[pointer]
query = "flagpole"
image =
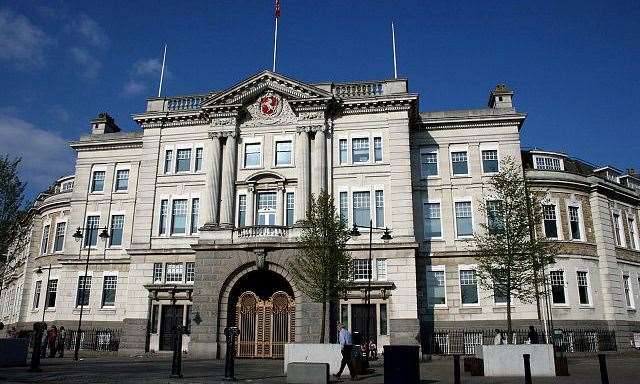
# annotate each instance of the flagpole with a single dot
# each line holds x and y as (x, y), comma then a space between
(393, 37)
(275, 44)
(164, 56)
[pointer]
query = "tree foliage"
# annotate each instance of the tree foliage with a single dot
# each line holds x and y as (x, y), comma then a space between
(14, 216)
(510, 255)
(322, 260)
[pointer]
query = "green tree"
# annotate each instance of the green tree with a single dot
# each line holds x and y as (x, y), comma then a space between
(322, 261)
(510, 254)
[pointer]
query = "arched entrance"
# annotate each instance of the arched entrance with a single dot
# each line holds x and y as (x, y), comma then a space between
(263, 309)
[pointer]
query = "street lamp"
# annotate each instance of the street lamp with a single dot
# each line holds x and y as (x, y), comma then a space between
(386, 236)
(46, 289)
(78, 237)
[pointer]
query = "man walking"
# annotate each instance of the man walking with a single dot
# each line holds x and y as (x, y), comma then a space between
(62, 336)
(347, 348)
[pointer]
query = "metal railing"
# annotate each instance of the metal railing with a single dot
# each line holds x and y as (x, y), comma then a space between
(94, 340)
(464, 342)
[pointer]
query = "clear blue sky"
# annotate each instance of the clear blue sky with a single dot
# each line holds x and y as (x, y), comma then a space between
(574, 64)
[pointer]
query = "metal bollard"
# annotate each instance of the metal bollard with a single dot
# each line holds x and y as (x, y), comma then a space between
(604, 375)
(456, 369)
(527, 368)
(37, 344)
(229, 364)
(176, 362)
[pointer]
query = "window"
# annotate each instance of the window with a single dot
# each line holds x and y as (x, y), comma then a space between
(283, 152)
(361, 270)
(432, 221)
(344, 207)
(44, 245)
(344, 315)
(547, 163)
(490, 161)
(174, 273)
(616, 229)
(109, 287)
(84, 290)
(154, 318)
(379, 208)
(190, 272)
(242, 210)
(195, 208)
(459, 163)
(633, 233)
(468, 286)
(168, 158)
(187, 320)
(291, 203)
(361, 208)
(36, 294)
(377, 149)
(583, 287)
(464, 220)
(628, 293)
(122, 180)
(343, 151)
(157, 272)
(183, 160)
(495, 216)
(360, 150)
(91, 239)
(67, 186)
(97, 183)
(199, 152)
(117, 225)
(383, 319)
(550, 222)
(164, 205)
(436, 287)
(428, 162)
(58, 242)
(557, 287)
(252, 155)
(179, 216)
(381, 269)
(574, 222)
(499, 294)
(267, 208)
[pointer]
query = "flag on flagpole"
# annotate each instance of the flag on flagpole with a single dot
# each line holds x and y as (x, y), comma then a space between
(277, 8)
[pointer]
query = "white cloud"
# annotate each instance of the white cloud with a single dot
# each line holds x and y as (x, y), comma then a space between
(89, 65)
(45, 155)
(143, 72)
(59, 113)
(132, 88)
(88, 32)
(21, 42)
(147, 67)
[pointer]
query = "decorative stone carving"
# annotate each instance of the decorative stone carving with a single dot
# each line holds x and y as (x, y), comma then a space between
(261, 257)
(221, 134)
(269, 109)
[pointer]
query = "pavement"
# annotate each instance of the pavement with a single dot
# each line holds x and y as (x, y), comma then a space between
(156, 369)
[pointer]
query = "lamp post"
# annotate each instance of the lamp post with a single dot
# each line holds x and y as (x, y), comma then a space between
(386, 236)
(46, 290)
(78, 237)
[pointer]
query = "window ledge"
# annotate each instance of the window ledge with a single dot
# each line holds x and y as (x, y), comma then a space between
(121, 192)
(443, 307)
(586, 306)
(631, 309)
(467, 176)
(76, 310)
(561, 306)
(107, 309)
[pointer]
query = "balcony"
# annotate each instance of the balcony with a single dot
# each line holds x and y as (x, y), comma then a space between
(262, 231)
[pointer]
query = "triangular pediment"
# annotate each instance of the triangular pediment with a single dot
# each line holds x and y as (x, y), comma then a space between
(247, 90)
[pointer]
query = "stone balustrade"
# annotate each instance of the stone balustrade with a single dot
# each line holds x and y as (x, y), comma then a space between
(263, 231)
(184, 103)
(355, 90)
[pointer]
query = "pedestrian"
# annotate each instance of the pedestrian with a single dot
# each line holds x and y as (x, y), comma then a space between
(62, 336)
(533, 335)
(52, 339)
(12, 333)
(346, 349)
(497, 340)
(373, 349)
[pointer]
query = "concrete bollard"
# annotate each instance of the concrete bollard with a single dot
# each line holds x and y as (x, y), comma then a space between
(456, 369)
(604, 375)
(527, 368)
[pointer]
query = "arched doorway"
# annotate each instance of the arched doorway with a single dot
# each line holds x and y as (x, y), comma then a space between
(263, 308)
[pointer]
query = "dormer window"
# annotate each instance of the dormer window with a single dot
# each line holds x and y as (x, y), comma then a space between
(547, 163)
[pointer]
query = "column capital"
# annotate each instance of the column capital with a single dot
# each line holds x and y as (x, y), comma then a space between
(310, 128)
(221, 134)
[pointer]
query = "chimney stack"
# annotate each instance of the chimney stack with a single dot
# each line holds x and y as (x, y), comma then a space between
(103, 124)
(501, 97)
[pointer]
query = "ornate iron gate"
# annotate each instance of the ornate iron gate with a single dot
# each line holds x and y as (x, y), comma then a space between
(265, 325)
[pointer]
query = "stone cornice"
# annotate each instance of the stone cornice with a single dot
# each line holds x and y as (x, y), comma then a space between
(362, 106)
(105, 145)
(473, 123)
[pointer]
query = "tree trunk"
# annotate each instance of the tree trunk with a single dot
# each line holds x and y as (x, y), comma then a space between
(323, 322)
(333, 320)
(509, 326)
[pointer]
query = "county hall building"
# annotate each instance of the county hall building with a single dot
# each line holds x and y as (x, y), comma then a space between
(203, 203)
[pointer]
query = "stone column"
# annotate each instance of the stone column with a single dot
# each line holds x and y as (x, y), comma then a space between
(280, 205)
(319, 168)
(251, 198)
(212, 187)
(304, 176)
(228, 181)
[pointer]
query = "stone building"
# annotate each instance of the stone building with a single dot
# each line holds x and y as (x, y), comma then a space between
(201, 206)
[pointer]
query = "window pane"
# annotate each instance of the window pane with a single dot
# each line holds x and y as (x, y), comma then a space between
(616, 228)
(499, 294)
(464, 224)
(360, 150)
(433, 225)
(183, 160)
(383, 319)
(627, 291)
(344, 315)
(550, 225)
(267, 208)
(283, 153)
(52, 292)
(117, 224)
(154, 318)
(361, 208)
(548, 163)
(91, 238)
(583, 287)
(252, 155)
(97, 184)
(377, 149)
(242, 210)
(290, 208)
(164, 206)
(109, 291)
(36, 294)
(199, 159)
(557, 287)
(379, 208)
(179, 216)
(632, 233)
(190, 272)
(459, 163)
(429, 163)
(59, 240)
(490, 161)
(174, 272)
(122, 180)
(469, 287)
(381, 269)
(574, 221)
(44, 245)
(495, 222)
(344, 207)
(361, 270)
(84, 290)
(195, 211)
(168, 156)
(436, 290)
(343, 151)
(157, 272)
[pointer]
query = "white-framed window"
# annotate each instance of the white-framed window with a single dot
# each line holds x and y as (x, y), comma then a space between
(575, 224)
(436, 286)
(617, 229)
(164, 211)
(199, 154)
(84, 290)
(183, 160)
(361, 208)
(468, 285)
(291, 206)
(343, 151)
(459, 163)
(584, 287)
(242, 210)
(122, 180)
(379, 196)
(360, 150)
(547, 163)
(195, 212)
(97, 181)
(58, 241)
(117, 227)
(52, 293)
(432, 220)
(558, 287)
(91, 238)
(550, 219)
(252, 155)
(464, 219)
(490, 161)
(267, 208)
(36, 294)
(67, 186)
(381, 269)
(168, 160)
(190, 271)
(109, 287)
(44, 244)
(428, 162)
(344, 206)
(499, 294)
(377, 149)
(179, 216)
(283, 152)
(633, 233)
(495, 217)
(174, 272)
(157, 272)
(361, 269)
(628, 291)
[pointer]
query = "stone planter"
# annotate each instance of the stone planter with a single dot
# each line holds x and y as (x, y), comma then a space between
(315, 353)
(506, 360)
